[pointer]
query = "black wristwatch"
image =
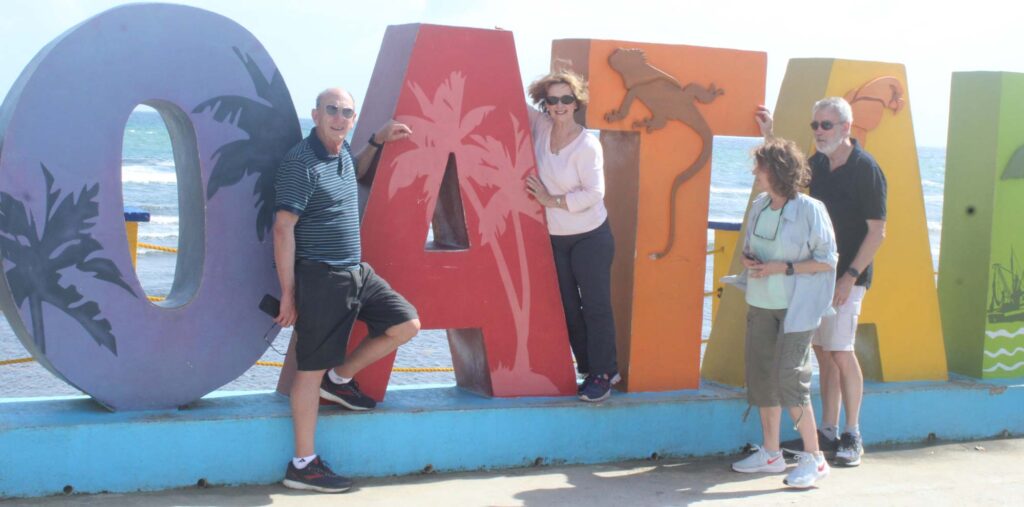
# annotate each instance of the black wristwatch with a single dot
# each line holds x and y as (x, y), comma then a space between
(789, 268)
(373, 141)
(852, 271)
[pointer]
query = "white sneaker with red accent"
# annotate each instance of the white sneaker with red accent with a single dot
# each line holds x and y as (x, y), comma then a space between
(761, 461)
(810, 468)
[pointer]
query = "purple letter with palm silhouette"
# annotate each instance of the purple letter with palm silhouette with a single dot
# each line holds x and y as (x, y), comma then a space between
(67, 284)
(487, 276)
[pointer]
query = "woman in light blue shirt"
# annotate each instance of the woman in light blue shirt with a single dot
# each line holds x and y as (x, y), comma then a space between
(790, 258)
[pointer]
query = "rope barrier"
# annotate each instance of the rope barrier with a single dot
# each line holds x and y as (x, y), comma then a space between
(16, 361)
(278, 364)
(150, 246)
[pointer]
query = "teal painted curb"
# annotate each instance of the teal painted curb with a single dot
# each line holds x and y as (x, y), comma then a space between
(246, 438)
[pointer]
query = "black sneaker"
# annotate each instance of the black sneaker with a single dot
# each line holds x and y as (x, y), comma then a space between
(317, 476)
(790, 448)
(347, 395)
(850, 450)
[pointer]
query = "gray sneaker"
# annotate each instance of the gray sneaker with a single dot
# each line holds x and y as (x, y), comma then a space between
(850, 450)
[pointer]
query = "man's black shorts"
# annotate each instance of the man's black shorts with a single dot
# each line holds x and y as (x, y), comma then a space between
(329, 300)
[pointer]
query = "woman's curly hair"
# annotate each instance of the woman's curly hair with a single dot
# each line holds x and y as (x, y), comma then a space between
(539, 88)
(786, 165)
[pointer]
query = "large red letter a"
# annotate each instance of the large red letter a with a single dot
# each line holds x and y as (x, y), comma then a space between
(487, 275)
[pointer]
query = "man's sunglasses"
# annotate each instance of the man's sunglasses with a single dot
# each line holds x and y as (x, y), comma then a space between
(565, 99)
(825, 125)
(346, 112)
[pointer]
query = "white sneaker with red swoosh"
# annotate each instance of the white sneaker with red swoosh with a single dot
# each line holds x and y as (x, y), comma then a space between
(761, 461)
(809, 469)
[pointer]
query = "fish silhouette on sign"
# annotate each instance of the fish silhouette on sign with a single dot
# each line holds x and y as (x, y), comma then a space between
(870, 100)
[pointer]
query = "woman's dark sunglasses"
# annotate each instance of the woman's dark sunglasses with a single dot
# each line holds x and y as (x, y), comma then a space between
(825, 125)
(565, 99)
(346, 112)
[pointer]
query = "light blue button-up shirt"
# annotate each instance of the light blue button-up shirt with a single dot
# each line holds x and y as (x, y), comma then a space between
(806, 233)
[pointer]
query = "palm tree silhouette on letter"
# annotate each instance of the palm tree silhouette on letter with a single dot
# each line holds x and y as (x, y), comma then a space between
(38, 260)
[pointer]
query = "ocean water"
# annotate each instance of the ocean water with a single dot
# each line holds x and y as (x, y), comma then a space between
(149, 183)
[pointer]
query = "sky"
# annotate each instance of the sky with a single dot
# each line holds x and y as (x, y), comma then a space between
(321, 43)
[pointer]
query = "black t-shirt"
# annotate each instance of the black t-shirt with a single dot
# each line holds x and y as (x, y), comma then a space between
(853, 194)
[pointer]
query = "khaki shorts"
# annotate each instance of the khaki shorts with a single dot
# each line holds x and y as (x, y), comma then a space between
(778, 364)
(838, 331)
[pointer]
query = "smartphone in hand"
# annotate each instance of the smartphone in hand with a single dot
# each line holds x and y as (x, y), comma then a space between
(270, 306)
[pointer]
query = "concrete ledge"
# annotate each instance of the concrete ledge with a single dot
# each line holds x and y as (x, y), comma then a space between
(246, 438)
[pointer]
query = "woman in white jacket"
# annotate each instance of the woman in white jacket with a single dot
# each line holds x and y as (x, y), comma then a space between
(790, 257)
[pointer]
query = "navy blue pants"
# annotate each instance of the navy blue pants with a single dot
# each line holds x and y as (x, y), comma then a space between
(584, 263)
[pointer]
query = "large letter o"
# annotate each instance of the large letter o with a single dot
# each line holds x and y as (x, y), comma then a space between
(69, 290)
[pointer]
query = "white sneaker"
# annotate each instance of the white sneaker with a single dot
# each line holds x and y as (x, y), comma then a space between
(809, 469)
(761, 461)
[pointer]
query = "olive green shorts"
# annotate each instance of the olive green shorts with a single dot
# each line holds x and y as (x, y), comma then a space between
(778, 364)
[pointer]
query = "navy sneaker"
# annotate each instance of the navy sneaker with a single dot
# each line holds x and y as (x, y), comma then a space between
(598, 387)
(317, 476)
(347, 395)
(583, 385)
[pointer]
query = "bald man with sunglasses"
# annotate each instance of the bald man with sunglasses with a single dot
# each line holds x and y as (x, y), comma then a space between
(325, 286)
(851, 184)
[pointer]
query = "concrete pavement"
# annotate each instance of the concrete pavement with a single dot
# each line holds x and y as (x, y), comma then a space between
(961, 474)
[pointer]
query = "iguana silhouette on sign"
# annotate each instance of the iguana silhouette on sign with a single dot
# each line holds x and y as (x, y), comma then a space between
(667, 100)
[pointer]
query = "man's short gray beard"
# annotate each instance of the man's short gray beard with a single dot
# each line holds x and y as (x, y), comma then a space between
(830, 148)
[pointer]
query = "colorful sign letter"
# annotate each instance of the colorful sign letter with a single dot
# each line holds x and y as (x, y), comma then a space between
(658, 108)
(69, 289)
(892, 344)
(982, 264)
(488, 275)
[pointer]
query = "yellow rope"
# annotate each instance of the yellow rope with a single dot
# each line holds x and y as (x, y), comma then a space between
(439, 369)
(151, 246)
(278, 364)
(16, 361)
(436, 369)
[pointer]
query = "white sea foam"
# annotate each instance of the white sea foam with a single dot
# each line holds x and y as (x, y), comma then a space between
(727, 190)
(148, 174)
(158, 235)
(1001, 366)
(1004, 352)
(163, 219)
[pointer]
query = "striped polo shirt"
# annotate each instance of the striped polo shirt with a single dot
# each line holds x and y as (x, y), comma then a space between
(321, 189)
